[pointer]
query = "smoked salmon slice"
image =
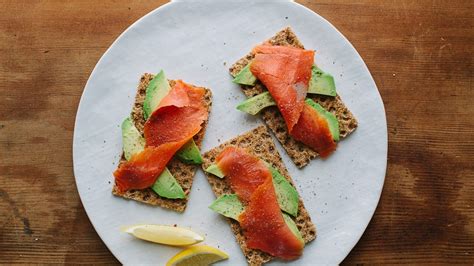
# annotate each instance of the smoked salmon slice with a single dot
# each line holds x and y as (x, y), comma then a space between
(320, 138)
(286, 71)
(176, 120)
(245, 173)
(179, 114)
(262, 222)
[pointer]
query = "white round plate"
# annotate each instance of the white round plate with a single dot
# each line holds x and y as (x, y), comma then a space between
(197, 42)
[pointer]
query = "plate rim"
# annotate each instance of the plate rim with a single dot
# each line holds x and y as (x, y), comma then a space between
(168, 5)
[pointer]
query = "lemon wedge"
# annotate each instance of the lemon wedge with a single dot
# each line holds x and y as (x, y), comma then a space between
(164, 234)
(197, 256)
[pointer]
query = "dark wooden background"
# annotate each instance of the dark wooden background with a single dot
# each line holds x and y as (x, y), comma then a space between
(420, 54)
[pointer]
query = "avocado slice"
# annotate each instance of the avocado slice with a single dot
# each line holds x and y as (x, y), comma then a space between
(132, 140)
(230, 206)
(166, 186)
(286, 194)
(294, 229)
(214, 169)
(245, 76)
(256, 104)
(321, 82)
(330, 118)
(190, 153)
(155, 92)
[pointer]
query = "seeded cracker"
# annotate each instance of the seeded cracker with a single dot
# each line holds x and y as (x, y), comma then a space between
(184, 173)
(258, 142)
(298, 152)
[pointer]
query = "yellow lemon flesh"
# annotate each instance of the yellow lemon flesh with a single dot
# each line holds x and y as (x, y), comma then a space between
(197, 256)
(164, 234)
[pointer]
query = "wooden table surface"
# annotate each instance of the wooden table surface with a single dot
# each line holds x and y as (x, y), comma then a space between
(420, 54)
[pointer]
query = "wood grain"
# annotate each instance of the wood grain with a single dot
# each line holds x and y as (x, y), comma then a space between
(420, 54)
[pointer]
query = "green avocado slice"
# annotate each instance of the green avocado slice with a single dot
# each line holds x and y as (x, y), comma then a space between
(321, 82)
(166, 185)
(257, 103)
(294, 229)
(190, 153)
(286, 194)
(132, 140)
(230, 206)
(245, 76)
(157, 89)
(330, 118)
(214, 169)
